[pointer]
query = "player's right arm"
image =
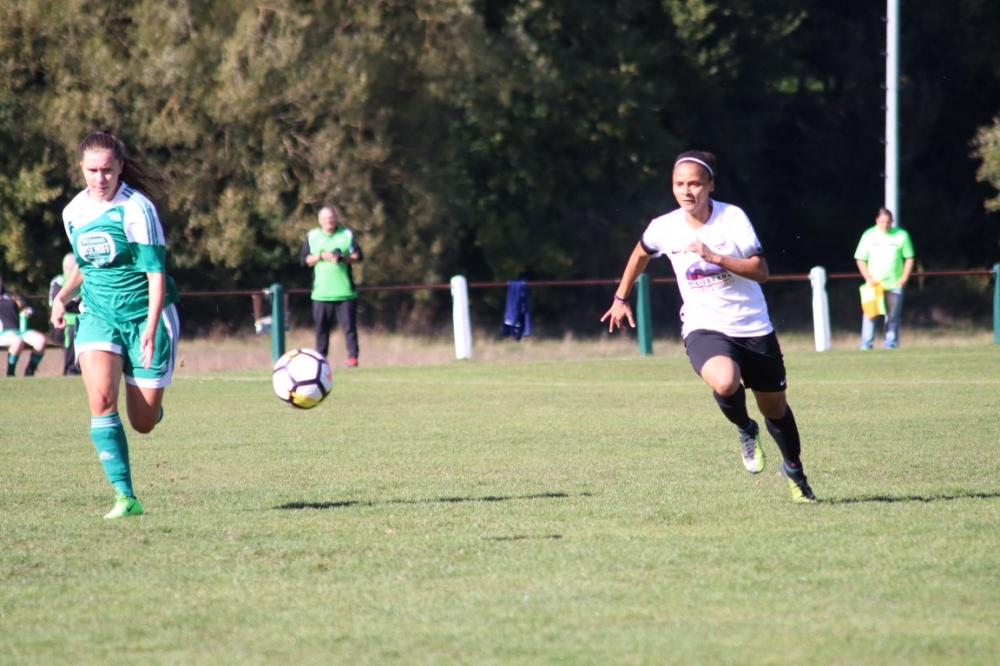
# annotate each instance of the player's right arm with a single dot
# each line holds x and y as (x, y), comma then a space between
(620, 309)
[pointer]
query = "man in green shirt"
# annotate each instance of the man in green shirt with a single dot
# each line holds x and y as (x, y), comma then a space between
(330, 249)
(885, 257)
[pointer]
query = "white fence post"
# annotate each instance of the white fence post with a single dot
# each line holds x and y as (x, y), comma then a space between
(460, 315)
(821, 308)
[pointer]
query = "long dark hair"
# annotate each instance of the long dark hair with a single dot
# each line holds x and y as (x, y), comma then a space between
(140, 176)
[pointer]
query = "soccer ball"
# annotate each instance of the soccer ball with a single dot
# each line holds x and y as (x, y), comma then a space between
(302, 378)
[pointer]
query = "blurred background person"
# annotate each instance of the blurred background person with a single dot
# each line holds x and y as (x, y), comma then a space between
(12, 306)
(885, 258)
(66, 336)
(330, 249)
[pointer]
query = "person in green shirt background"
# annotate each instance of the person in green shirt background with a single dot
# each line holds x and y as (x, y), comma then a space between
(330, 249)
(885, 257)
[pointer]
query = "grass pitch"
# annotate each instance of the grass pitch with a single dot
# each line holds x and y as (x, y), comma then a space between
(570, 512)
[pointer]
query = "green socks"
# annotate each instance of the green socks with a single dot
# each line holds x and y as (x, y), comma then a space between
(108, 434)
(33, 362)
(11, 364)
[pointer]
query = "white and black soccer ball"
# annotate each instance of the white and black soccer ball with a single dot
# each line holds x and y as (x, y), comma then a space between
(302, 378)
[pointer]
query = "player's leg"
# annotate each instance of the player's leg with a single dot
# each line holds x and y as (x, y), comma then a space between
(893, 313)
(144, 406)
(867, 332)
(36, 341)
(102, 372)
(347, 317)
(765, 375)
(785, 432)
(323, 315)
(144, 386)
(12, 341)
(715, 358)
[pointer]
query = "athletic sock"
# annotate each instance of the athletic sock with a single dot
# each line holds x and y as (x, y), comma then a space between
(33, 362)
(11, 364)
(108, 434)
(786, 435)
(734, 407)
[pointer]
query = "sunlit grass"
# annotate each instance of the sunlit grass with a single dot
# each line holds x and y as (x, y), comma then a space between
(573, 510)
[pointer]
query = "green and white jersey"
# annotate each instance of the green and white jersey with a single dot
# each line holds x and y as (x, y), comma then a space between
(116, 243)
(884, 252)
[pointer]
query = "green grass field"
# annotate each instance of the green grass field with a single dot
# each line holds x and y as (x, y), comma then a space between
(543, 512)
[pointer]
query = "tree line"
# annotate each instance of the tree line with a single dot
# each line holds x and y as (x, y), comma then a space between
(497, 139)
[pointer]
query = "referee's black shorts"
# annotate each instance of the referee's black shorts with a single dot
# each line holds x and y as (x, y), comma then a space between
(759, 359)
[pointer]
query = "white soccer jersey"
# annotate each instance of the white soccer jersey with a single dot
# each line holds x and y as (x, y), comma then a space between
(714, 299)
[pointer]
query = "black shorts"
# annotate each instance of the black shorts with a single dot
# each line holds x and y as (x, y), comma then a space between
(761, 365)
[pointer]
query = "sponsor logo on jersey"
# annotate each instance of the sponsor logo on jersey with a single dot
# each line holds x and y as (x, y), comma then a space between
(96, 247)
(702, 274)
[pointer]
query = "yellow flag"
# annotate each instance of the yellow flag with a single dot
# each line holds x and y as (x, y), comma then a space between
(872, 300)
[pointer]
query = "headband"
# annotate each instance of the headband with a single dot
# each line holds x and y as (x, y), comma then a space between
(696, 161)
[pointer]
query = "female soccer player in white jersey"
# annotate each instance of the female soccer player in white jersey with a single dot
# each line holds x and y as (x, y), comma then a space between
(729, 339)
(128, 324)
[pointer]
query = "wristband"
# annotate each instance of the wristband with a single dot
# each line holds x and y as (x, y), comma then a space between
(620, 299)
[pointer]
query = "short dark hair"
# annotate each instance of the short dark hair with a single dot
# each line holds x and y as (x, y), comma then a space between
(698, 156)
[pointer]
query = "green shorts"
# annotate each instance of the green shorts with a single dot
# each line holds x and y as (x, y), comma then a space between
(123, 338)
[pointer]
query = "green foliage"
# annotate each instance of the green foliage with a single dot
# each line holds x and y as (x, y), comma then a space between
(492, 138)
(987, 148)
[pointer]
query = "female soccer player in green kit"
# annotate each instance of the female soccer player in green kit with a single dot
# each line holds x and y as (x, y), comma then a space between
(128, 326)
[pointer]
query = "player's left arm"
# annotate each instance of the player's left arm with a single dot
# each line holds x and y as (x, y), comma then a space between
(148, 245)
(908, 259)
(157, 295)
(753, 267)
(749, 261)
(354, 254)
(907, 269)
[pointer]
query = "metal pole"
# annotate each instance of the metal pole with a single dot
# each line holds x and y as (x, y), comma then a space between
(277, 321)
(892, 109)
(996, 303)
(645, 322)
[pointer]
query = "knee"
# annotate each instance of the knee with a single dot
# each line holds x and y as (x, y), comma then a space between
(773, 409)
(723, 385)
(102, 400)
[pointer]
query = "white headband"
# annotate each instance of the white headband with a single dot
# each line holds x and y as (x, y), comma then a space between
(696, 161)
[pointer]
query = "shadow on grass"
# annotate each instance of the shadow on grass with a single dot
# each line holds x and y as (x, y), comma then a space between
(911, 498)
(292, 506)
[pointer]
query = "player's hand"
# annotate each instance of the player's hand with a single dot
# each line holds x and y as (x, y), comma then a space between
(703, 251)
(56, 315)
(618, 313)
(338, 256)
(147, 345)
